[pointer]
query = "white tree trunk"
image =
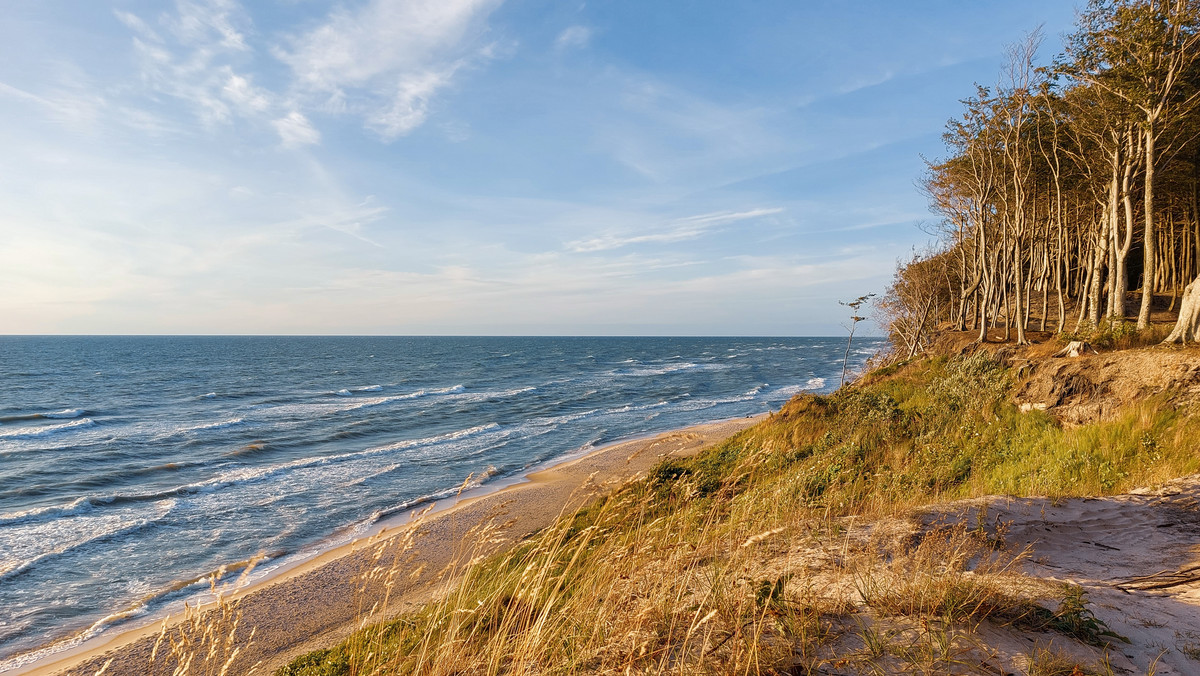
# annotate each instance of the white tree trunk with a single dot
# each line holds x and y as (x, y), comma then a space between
(1187, 327)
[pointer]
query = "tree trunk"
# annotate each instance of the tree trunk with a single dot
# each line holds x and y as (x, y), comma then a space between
(1187, 327)
(1121, 249)
(1151, 237)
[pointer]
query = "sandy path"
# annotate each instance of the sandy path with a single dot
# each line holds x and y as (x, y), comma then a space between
(315, 604)
(1136, 555)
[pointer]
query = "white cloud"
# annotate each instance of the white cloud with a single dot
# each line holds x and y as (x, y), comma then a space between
(387, 59)
(137, 25)
(410, 103)
(75, 109)
(241, 93)
(684, 229)
(295, 130)
(574, 37)
(193, 57)
(196, 21)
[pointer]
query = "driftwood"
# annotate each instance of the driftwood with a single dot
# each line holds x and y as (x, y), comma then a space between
(1076, 348)
(1187, 327)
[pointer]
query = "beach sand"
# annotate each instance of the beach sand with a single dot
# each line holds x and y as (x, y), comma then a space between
(316, 604)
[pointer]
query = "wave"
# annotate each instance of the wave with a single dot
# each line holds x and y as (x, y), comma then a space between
(502, 394)
(24, 543)
(53, 511)
(474, 481)
(139, 608)
(249, 449)
(426, 441)
(663, 370)
(219, 425)
(564, 418)
(792, 390)
(37, 432)
(242, 475)
(210, 395)
(188, 429)
(379, 401)
(639, 407)
(369, 388)
(344, 393)
(701, 404)
(307, 410)
(63, 414)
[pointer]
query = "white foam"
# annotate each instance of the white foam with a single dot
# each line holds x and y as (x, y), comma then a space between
(369, 388)
(663, 370)
(36, 432)
(701, 404)
(565, 418)
(219, 425)
(410, 443)
(791, 390)
(27, 544)
(210, 395)
(248, 475)
(344, 393)
(630, 407)
(22, 659)
(65, 413)
(74, 507)
(307, 410)
(502, 394)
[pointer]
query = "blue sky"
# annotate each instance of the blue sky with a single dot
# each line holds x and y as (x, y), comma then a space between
(473, 166)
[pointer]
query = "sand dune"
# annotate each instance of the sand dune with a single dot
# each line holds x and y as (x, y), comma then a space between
(1136, 555)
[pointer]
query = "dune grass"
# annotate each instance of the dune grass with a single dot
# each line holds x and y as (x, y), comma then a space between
(787, 548)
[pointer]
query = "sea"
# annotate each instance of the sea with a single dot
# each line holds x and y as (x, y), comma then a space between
(133, 467)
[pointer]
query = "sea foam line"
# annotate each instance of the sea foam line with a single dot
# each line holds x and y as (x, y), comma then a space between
(36, 432)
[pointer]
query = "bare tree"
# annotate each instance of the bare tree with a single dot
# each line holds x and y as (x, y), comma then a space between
(854, 305)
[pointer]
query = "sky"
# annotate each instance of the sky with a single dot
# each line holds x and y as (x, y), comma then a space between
(488, 167)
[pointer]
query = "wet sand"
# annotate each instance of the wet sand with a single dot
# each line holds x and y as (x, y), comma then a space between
(319, 602)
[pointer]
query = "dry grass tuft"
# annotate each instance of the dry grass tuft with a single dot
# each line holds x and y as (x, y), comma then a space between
(209, 640)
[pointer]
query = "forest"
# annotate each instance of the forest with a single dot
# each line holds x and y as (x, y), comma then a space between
(1068, 198)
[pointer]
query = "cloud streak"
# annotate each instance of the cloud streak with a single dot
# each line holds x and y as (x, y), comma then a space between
(686, 228)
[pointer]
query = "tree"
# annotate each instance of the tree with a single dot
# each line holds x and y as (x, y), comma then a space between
(854, 305)
(1140, 51)
(921, 292)
(1187, 327)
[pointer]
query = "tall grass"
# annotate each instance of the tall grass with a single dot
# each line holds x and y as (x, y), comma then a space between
(786, 549)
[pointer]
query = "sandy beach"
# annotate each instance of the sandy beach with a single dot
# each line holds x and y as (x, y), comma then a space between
(314, 604)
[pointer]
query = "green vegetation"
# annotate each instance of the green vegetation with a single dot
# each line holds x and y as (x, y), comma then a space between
(1116, 335)
(788, 546)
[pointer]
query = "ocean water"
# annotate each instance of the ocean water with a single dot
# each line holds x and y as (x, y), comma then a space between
(132, 466)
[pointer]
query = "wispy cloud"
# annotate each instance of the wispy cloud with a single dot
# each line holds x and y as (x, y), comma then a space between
(295, 130)
(573, 37)
(683, 229)
(388, 59)
(190, 54)
(71, 108)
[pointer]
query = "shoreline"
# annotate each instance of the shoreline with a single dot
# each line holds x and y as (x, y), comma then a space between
(317, 585)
